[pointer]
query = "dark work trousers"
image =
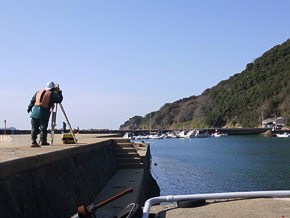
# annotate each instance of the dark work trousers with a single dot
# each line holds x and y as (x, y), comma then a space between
(39, 126)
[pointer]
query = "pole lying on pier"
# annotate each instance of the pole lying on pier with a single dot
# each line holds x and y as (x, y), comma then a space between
(174, 198)
(86, 212)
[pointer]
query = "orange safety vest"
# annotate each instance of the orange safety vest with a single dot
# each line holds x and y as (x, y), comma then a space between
(42, 98)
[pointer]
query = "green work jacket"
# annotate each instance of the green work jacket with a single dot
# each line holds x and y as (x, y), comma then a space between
(42, 113)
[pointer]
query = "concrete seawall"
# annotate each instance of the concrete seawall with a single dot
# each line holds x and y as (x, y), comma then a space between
(53, 181)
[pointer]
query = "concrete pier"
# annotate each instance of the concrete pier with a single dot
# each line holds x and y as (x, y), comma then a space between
(53, 181)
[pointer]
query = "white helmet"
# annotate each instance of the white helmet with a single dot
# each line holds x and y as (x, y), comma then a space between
(50, 85)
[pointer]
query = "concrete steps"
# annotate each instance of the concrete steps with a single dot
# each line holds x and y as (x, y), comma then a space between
(123, 145)
(129, 160)
(127, 157)
(125, 150)
(121, 140)
(130, 165)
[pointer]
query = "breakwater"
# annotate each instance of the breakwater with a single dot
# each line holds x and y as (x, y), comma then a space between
(56, 183)
(230, 131)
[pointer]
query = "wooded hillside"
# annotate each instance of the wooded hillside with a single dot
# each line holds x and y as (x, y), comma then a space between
(257, 93)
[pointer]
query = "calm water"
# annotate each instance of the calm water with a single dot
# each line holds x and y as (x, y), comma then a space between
(232, 163)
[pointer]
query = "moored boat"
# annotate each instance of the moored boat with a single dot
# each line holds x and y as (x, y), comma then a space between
(283, 135)
(199, 134)
(129, 136)
(218, 134)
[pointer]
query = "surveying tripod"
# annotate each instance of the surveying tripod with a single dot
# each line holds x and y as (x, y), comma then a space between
(53, 118)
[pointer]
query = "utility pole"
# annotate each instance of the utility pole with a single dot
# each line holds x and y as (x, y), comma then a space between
(5, 127)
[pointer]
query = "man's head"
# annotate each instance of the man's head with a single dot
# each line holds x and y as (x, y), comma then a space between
(50, 86)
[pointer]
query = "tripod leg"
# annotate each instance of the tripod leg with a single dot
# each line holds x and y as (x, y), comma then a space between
(53, 124)
(71, 131)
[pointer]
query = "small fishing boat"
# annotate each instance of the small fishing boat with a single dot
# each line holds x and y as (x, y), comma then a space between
(155, 136)
(283, 135)
(185, 134)
(218, 134)
(199, 134)
(191, 134)
(129, 136)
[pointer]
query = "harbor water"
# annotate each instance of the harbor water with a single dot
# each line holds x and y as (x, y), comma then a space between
(225, 164)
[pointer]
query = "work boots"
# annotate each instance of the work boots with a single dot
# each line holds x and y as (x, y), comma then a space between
(44, 143)
(35, 144)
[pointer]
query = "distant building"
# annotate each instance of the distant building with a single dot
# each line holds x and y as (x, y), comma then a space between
(274, 123)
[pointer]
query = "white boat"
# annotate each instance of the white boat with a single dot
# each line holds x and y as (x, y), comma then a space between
(129, 136)
(216, 134)
(176, 135)
(191, 134)
(155, 137)
(199, 134)
(167, 136)
(283, 135)
(171, 135)
(184, 134)
(145, 137)
(126, 136)
(139, 137)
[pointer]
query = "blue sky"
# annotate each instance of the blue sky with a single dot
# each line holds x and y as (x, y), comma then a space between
(117, 59)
